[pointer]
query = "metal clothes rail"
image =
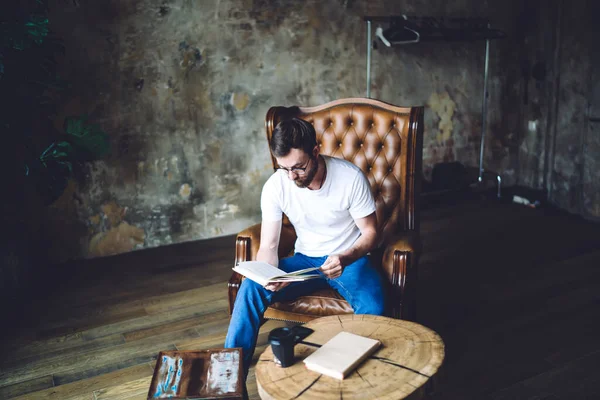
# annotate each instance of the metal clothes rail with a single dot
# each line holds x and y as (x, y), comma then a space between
(441, 29)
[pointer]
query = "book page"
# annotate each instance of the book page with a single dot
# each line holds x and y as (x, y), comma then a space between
(259, 268)
(303, 271)
(292, 278)
(259, 272)
(264, 273)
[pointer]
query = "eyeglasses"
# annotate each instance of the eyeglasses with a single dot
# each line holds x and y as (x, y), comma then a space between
(296, 170)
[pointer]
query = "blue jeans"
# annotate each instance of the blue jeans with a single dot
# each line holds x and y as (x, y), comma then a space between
(360, 284)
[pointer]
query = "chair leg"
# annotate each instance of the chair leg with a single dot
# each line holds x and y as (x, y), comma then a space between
(242, 249)
(403, 296)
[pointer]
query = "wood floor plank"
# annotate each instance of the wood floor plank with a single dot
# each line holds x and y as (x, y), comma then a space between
(176, 325)
(209, 307)
(511, 290)
(209, 340)
(22, 388)
(83, 318)
(84, 388)
(75, 375)
(575, 380)
(60, 350)
(251, 386)
(73, 365)
(124, 295)
(104, 336)
(142, 350)
(70, 327)
(127, 390)
(204, 342)
(26, 347)
(198, 296)
(495, 359)
(137, 397)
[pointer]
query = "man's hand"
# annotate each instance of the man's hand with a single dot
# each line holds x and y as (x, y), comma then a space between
(333, 266)
(276, 286)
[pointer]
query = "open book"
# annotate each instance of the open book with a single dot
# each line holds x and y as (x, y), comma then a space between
(341, 354)
(264, 273)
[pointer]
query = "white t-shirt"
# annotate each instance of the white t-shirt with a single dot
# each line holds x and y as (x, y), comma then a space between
(324, 218)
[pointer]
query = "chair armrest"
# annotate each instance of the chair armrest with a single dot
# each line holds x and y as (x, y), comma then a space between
(247, 244)
(244, 243)
(404, 241)
(399, 264)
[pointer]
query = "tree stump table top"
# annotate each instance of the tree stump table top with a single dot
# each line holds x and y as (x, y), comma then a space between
(409, 356)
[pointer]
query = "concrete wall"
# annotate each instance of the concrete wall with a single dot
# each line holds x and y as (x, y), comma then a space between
(575, 179)
(182, 88)
(561, 146)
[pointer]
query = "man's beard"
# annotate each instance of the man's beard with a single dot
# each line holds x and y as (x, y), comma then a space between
(306, 180)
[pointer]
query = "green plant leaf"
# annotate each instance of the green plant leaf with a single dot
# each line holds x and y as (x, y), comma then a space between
(89, 140)
(92, 146)
(75, 126)
(68, 164)
(56, 151)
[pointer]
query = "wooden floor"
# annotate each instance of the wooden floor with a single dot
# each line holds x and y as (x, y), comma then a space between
(514, 292)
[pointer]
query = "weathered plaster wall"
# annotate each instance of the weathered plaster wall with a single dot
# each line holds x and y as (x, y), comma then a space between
(572, 100)
(182, 87)
(561, 146)
(576, 178)
(591, 142)
(538, 32)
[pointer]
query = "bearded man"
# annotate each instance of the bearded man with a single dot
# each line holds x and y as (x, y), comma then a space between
(329, 202)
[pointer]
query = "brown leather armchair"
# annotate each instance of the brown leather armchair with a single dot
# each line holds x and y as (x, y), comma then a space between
(385, 141)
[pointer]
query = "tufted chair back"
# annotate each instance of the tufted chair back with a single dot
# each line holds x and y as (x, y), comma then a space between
(379, 138)
(385, 141)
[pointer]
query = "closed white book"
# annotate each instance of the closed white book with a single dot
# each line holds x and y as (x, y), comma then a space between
(341, 354)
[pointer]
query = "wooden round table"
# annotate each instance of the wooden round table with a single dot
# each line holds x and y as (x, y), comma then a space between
(409, 356)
